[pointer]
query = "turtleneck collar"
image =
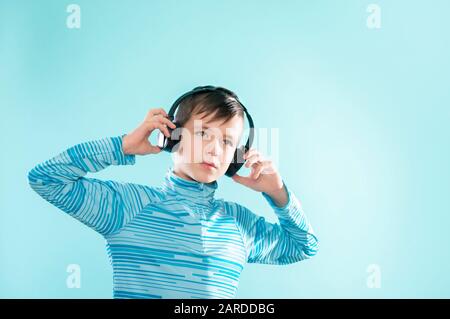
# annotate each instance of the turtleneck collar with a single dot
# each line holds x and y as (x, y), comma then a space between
(191, 190)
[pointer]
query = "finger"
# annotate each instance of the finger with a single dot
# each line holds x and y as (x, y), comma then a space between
(260, 169)
(250, 152)
(167, 122)
(252, 160)
(256, 170)
(157, 124)
(165, 129)
(161, 111)
(157, 111)
(152, 149)
(162, 128)
(269, 167)
(246, 181)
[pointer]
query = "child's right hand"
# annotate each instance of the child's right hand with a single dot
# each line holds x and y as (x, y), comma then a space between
(137, 142)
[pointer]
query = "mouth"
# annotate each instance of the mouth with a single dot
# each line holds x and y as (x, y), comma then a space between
(209, 165)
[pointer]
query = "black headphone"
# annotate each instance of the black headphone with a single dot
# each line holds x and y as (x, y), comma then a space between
(168, 143)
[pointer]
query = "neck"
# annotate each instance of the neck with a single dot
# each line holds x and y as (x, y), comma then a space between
(189, 189)
(179, 173)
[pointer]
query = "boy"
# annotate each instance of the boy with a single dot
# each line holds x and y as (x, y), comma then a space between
(177, 240)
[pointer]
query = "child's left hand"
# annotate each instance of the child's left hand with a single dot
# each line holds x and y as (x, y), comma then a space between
(264, 177)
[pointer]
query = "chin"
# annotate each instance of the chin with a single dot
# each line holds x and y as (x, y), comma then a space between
(203, 176)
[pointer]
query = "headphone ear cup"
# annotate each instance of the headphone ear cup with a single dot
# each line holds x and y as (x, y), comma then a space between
(162, 141)
(170, 144)
(238, 161)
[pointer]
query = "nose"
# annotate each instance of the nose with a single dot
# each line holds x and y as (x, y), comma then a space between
(214, 147)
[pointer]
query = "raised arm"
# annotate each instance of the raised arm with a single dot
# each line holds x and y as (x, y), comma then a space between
(105, 206)
(290, 240)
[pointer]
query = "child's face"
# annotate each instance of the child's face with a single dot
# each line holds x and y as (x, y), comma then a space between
(207, 140)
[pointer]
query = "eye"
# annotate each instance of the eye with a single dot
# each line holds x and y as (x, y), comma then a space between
(202, 133)
(228, 142)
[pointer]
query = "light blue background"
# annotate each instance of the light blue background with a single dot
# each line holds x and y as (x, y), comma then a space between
(363, 116)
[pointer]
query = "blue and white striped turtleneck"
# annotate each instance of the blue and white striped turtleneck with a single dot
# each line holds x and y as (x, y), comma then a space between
(175, 240)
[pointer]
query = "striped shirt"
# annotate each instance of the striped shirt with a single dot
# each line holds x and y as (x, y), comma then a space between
(170, 241)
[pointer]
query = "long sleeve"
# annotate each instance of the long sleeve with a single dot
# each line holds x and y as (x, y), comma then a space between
(290, 240)
(105, 206)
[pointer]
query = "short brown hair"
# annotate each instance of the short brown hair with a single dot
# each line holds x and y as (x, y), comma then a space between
(223, 103)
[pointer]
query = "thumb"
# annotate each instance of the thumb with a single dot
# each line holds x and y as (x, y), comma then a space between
(149, 148)
(241, 179)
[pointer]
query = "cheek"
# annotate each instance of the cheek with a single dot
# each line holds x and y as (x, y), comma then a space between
(185, 150)
(228, 155)
(192, 151)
